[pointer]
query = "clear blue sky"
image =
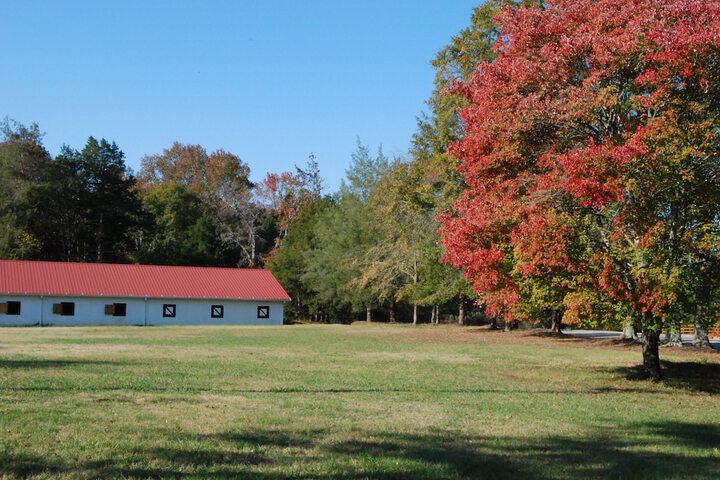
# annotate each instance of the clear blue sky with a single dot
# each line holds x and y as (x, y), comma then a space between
(270, 81)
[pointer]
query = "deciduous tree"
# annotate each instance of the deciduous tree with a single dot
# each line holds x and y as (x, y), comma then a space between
(607, 110)
(220, 182)
(178, 231)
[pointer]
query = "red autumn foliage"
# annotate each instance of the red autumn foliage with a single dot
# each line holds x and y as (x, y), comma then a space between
(575, 115)
(284, 195)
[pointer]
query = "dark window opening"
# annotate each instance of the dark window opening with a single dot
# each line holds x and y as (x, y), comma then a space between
(169, 310)
(13, 308)
(116, 309)
(119, 309)
(66, 309)
(263, 312)
(217, 311)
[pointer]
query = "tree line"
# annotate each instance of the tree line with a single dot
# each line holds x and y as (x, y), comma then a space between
(368, 251)
(372, 250)
(185, 206)
(568, 169)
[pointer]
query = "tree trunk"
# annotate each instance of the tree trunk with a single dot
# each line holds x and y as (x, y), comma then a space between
(556, 324)
(673, 337)
(629, 332)
(393, 313)
(100, 239)
(437, 315)
(508, 326)
(701, 335)
(701, 313)
(493, 322)
(368, 314)
(415, 282)
(461, 313)
(651, 353)
(253, 246)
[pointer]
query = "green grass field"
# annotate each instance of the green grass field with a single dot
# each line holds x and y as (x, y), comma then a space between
(347, 402)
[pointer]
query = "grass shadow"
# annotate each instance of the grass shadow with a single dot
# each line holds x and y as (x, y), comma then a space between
(689, 434)
(25, 465)
(270, 438)
(45, 363)
(435, 455)
(208, 457)
(606, 453)
(642, 450)
(693, 376)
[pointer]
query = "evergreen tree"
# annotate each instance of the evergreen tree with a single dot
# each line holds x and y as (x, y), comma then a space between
(24, 165)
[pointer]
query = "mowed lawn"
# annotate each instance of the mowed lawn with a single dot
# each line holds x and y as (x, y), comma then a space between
(347, 402)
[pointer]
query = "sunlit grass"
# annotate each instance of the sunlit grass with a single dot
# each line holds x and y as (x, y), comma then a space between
(346, 402)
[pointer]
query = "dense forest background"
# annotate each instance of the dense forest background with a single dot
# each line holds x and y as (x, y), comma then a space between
(370, 247)
(370, 250)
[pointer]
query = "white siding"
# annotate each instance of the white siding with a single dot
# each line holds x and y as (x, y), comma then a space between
(197, 312)
(91, 311)
(29, 311)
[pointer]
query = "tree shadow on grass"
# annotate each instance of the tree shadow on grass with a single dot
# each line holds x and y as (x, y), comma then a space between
(178, 462)
(694, 376)
(209, 457)
(273, 438)
(434, 456)
(606, 453)
(688, 434)
(182, 389)
(45, 363)
(22, 465)
(634, 451)
(600, 456)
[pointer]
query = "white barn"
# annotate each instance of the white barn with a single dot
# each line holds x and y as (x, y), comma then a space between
(56, 293)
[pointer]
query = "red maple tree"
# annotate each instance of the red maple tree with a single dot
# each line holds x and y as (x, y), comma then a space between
(591, 152)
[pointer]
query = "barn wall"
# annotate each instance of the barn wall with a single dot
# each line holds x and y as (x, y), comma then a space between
(29, 311)
(91, 311)
(197, 312)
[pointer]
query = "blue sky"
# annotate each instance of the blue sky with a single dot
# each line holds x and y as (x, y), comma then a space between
(270, 81)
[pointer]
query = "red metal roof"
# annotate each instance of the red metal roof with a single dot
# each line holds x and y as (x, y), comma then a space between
(22, 277)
